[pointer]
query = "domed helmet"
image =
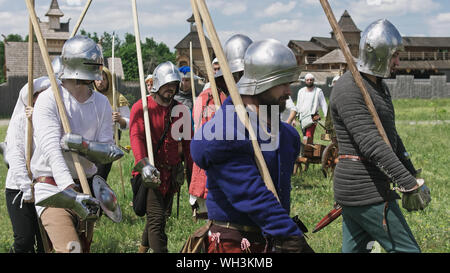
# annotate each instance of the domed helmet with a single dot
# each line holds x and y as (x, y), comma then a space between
(82, 59)
(164, 73)
(234, 50)
(267, 63)
(378, 44)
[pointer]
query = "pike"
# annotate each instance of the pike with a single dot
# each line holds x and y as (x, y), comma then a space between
(42, 231)
(142, 85)
(116, 127)
(205, 53)
(236, 98)
(336, 212)
(61, 109)
(77, 25)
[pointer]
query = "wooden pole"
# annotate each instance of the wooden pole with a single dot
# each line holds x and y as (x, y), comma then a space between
(351, 65)
(30, 94)
(237, 101)
(205, 53)
(192, 73)
(142, 85)
(116, 126)
(77, 25)
(54, 85)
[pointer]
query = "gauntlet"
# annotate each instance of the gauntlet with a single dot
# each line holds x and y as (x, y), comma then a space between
(102, 153)
(149, 174)
(85, 206)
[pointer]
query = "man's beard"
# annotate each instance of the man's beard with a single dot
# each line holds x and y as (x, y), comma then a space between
(310, 85)
(266, 99)
(165, 99)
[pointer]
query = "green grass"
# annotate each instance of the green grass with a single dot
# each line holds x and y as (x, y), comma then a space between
(312, 194)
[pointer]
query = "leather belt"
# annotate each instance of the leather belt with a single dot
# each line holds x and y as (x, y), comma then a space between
(46, 179)
(236, 226)
(352, 157)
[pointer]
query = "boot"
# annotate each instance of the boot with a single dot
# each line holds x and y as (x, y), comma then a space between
(143, 249)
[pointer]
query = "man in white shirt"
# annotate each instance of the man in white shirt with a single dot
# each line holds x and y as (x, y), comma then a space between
(59, 203)
(309, 99)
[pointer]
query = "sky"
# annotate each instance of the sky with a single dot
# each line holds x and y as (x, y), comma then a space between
(284, 20)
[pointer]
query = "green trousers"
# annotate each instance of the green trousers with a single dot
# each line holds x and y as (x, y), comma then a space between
(364, 224)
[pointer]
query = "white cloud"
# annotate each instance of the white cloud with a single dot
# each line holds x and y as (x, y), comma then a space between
(440, 25)
(283, 25)
(228, 7)
(73, 2)
(279, 8)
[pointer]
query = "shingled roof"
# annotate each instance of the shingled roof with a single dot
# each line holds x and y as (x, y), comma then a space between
(192, 36)
(308, 45)
(328, 43)
(427, 41)
(346, 23)
(54, 9)
(334, 57)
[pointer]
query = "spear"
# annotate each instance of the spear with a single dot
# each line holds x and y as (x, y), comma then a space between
(142, 85)
(75, 29)
(60, 105)
(116, 127)
(205, 53)
(42, 232)
(336, 212)
(30, 93)
(236, 98)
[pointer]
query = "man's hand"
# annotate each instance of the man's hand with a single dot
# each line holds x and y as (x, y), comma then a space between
(292, 244)
(316, 117)
(149, 174)
(416, 198)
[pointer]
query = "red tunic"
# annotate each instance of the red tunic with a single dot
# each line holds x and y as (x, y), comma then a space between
(203, 111)
(168, 153)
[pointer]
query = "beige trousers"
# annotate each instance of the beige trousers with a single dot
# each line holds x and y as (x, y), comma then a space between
(60, 225)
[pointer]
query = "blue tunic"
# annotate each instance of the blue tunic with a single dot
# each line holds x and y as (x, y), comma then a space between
(236, 190)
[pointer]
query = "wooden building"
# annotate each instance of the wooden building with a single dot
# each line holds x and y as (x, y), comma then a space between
(183, 52)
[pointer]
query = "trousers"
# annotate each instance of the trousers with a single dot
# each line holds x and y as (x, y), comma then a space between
(24, 224)
(158, 211)
(364, 224)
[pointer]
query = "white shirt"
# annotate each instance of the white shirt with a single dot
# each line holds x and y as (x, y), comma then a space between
(305, 100)
(287, 112)
(91, 119)
(16, 141)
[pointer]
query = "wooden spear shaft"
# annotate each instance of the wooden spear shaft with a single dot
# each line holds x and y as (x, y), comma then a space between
(75, 29)
(30, 94)
(205, 53)
(54, 85)
(237, 101)
(116, 126)
(192, 73)
(142, 85)
(351, 64)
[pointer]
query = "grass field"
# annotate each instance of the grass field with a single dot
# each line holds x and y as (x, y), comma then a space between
(312, 194)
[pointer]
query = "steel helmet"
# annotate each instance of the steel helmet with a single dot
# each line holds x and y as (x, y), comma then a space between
(164, 73)
(378, 44)
(82, 59)
(234, 50)
(267, 63)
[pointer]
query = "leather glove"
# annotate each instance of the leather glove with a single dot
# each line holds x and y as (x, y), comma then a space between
(291, 244)
(149, 174)
(417, 198)
(96, 152)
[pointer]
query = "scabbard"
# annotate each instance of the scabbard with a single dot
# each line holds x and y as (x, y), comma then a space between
(330, 217)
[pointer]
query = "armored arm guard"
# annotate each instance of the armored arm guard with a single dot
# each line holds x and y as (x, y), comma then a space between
(96, 152)
(85, 206)
(149, 174)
